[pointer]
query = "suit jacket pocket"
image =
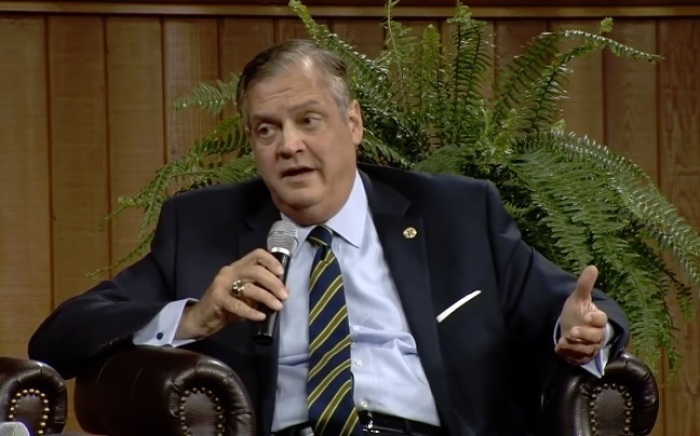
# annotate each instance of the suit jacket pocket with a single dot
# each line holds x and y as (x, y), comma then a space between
(457, 305)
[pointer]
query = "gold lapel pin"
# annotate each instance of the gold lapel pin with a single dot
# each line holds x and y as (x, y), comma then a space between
(410, 233)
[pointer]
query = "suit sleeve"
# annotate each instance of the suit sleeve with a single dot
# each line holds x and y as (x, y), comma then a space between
(107, 315)
(533, 289)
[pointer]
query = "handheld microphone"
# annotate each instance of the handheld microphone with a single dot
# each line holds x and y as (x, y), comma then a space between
(281, 242)
(13, 428)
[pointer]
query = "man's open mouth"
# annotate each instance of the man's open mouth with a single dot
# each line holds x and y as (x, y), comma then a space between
(295, 172)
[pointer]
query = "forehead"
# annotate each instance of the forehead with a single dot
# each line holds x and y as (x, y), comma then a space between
(294, 82)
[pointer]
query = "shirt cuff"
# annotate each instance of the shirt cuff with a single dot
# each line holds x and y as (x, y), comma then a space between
(597, 365)
(160, 331)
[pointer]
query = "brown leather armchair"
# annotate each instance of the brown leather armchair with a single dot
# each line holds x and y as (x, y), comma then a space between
(166, 391)
(34, 394)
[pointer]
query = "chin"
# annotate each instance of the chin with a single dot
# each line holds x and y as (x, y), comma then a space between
(303, 210)
(297, 199)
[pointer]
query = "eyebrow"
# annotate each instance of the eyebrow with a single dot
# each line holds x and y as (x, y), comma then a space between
(304, 105)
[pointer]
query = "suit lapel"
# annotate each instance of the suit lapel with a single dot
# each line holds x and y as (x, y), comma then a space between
(260, 216)
(403, 243)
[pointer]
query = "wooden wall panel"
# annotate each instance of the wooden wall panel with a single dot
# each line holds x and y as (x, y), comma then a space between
(292, 28)
(79, 154)
(79, 158)
(679, 138)
(25, 238)
(417, 26)
(190, 57)
(631, 126)
(135, 117)
(582, 109)
(511, 37)
(84, 119)
(447, 39)
(239, 40)
(366, 36)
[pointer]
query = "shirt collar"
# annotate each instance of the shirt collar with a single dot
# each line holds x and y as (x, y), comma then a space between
(349, 222)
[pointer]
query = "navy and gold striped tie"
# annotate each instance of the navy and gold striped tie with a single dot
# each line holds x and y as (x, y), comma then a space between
(329, 384)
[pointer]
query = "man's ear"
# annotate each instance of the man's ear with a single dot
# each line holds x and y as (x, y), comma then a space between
(355, 122)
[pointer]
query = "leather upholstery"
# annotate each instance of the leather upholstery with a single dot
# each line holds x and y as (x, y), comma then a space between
(624, 402)
(32, 393)
(163, 391)
(166, 391)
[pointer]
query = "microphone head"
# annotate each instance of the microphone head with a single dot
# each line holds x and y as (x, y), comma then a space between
(282, 237)
(13, 428)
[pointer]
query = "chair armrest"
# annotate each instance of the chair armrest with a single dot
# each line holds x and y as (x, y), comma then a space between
(32, 393)
(624, 401)
(161, 390)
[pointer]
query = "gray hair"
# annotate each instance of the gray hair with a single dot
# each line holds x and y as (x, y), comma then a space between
(277, 58)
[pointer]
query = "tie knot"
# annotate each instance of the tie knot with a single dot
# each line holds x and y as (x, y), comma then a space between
(321, 236)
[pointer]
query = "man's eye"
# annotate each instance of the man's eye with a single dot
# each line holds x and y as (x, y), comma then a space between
(264, 130)
(311, 121)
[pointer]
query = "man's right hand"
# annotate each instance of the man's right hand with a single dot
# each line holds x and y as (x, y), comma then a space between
(259, 273)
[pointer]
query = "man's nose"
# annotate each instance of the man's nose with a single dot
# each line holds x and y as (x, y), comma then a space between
(292, 142)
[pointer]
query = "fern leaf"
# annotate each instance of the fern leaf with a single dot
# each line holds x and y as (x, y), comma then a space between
(211, 98)
(639, 195)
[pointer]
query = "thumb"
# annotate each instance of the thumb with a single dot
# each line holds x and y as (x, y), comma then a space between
(586, 281)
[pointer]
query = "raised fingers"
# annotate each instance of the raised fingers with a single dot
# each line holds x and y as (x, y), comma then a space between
(586, 335)
(576, 352)
(596, 318)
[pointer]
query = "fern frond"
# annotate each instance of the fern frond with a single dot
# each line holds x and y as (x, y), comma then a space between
(401, 45)
(615, 47)
(372, 150)
(564, 216)
(640, 290)
(521, 72)
(199, 166)
(471, 63)
(640, 197)
(213, 98)
(139, 251)
(447, 160)
(584, 223)
(237, 170)
(425, 98)
(534, 84)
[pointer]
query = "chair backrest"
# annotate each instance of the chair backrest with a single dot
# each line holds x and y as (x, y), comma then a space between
(624, 402)
(33, 394)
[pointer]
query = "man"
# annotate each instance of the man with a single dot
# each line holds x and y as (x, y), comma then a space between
(412, 306)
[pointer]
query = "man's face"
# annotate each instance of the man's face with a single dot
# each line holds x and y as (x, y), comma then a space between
(305, 147)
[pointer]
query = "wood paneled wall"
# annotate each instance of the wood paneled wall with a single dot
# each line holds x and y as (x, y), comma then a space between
(84, 120)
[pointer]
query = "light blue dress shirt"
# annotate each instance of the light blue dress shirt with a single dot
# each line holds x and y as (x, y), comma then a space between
(385, 364)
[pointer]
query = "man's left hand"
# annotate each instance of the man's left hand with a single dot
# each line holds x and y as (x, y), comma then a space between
(582, 323)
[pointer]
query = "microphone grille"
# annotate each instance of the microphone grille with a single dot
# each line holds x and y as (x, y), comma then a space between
(13, 429)
(282, 235)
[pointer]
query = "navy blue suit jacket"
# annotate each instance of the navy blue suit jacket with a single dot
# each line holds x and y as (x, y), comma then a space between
(485, 364)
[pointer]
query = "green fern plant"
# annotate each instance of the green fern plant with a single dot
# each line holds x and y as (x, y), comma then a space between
(427, 107)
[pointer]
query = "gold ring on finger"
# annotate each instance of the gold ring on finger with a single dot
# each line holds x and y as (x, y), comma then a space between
(238, 288)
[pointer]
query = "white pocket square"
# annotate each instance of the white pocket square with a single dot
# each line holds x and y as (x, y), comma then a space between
(447, 312)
